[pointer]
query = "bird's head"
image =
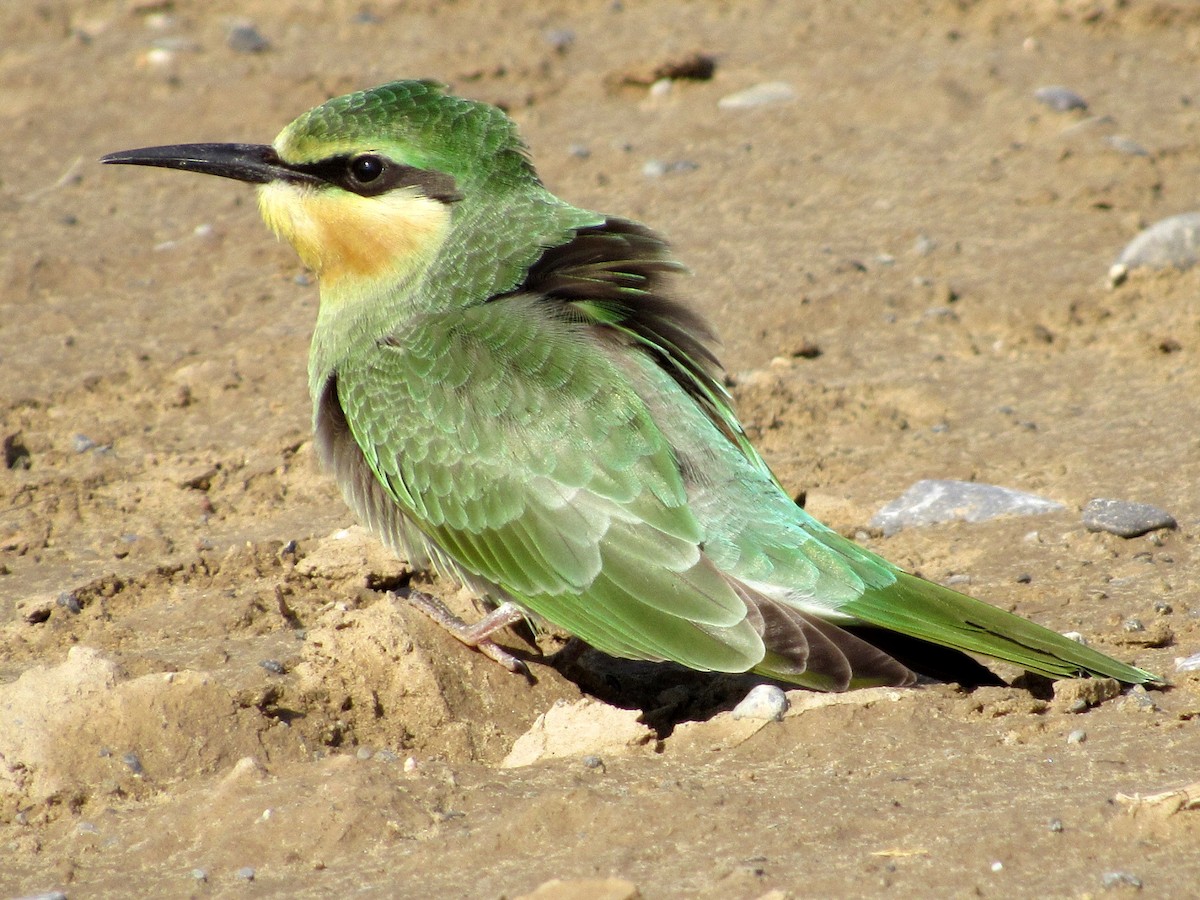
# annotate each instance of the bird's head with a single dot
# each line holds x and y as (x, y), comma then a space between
(365, 185)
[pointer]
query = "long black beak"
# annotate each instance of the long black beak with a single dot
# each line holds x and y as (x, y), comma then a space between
(256, 163)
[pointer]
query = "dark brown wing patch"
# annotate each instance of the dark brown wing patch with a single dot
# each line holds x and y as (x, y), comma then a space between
(829, 657)
(613, 277)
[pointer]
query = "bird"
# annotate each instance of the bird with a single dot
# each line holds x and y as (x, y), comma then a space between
(510, 394)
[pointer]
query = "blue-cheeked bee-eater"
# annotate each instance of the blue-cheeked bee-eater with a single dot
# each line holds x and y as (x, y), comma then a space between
(507, 393)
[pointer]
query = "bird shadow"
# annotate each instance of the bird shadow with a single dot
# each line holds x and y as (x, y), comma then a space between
(666, 694)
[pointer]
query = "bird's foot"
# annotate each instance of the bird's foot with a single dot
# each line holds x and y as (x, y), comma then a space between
(477, 636)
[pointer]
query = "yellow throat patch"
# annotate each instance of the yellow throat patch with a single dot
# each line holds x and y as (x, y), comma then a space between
(340, 235)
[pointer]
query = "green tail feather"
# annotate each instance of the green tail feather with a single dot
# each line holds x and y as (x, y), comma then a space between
(937, 614)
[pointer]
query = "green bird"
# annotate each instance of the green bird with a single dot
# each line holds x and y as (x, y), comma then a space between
(508, 395)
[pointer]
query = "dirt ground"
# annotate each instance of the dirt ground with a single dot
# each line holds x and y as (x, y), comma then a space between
(204, 687)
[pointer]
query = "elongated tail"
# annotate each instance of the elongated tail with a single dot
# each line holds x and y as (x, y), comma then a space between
(928, 611)
(929, 614)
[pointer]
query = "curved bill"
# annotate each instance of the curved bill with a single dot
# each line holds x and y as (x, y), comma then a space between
(256, 163)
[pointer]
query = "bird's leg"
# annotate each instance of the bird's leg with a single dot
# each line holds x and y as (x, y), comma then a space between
(477, 636)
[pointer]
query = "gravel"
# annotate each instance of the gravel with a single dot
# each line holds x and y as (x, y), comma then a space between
(1125, 518)
(931, 501)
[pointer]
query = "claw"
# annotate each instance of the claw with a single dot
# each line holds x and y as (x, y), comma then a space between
(477, 636)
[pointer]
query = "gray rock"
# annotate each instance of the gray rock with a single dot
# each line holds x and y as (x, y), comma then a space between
(1188, 663)
(560, 39)
(1112, 880)
(70, 602)
(1059, 98)
(765, 701)
(1169, 243)
(244, 37)
(1124, 518)
(931, 501)
(1125, 145)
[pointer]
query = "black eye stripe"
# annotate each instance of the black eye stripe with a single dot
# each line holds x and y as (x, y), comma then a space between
(347, 172)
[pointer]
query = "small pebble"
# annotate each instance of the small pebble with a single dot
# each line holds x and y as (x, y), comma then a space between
(931, 501)
(1188, 663)
(1132, 626)
(1059, 98)
(246, 873)
(1056, 826)
(1078, 736)
(131, 760)
(579, 151)
(560, 39)
(654, 168)
(363, 753)
(1125, 145)
(386, 756)
(1112, 880)
(924, 245)
(46, 895)
(410, 764)
(157, 57)
(86, 828)
(81, 443)
(68, 601)
(765, 701)
(274, 666)
(1124, 518)
(769, 92)
(592, 761)
(246, 38)
(1139, 698)
(200, 874)
(997, 866)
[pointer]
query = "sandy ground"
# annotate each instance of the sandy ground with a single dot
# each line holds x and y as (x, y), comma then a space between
(201, 675)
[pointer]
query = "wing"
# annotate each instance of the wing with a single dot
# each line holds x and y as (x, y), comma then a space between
(515, 448)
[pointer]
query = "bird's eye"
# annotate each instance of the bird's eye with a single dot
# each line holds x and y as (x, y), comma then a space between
(366, 168)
